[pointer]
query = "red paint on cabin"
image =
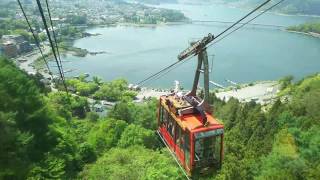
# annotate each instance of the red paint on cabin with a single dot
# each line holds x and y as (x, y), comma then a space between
(197, 147)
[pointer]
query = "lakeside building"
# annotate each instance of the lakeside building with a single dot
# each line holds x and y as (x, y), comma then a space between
(10, 49)
(13, 45)
(24, 47)
(13, 38)
(50, 29)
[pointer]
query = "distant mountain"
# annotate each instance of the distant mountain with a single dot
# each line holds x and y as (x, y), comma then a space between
(310, 7)
(153, 1)
(306, 7)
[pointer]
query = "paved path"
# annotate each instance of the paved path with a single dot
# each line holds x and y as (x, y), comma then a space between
(262, 92)
(150, 93)
(31, 58)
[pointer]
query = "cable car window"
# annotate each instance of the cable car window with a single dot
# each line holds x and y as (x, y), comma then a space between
(170, 125)
(161, 115)
(217, 152)
(180, 140)
(187, 149)
(207, 147)
(165, 117)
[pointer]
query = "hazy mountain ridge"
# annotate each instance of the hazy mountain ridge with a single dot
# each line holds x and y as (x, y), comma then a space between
(305, 7)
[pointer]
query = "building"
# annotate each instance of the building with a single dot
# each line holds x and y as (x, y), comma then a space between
(98, 108)
(24, 47)
(10, 49)
(13, 38)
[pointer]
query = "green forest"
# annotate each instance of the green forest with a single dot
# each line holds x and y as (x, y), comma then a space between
(53, 135)
(308, 27)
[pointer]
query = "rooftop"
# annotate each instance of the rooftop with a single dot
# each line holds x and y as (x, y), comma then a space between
(7, 43)
(191, 121)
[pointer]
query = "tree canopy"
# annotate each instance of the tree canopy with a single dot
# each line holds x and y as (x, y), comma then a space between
(55, 136)
(307, 28)
(133, 163)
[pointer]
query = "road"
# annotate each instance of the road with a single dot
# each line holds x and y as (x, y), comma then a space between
(31, 58)
(262, 93)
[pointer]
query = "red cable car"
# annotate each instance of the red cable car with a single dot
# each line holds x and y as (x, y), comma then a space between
(189, 130)
(197, 146)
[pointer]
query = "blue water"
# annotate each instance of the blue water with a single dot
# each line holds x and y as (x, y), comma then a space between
(251, 54)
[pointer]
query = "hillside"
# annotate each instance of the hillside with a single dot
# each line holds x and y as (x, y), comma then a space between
(305, 7)
(48, 135)
(302, 7)
(55, 136)
(282, 143)
(306, 28)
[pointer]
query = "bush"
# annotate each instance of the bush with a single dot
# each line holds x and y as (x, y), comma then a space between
(106, 134)
(113, 91)
(137, 135)
(133, 163)
(92, 116)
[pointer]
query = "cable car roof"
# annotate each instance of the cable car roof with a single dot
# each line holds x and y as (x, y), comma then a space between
(193, 121)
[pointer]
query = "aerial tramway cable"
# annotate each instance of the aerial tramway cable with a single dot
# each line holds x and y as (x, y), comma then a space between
(54, 36)
(167, 69)
(244, 17)
(51, 43)
(195, 49)
(230, 22)
(159, 73)
(243, 24)
(35, 37)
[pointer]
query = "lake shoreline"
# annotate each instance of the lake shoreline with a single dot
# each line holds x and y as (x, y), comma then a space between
(312, 34)
(73, 50)
(280, 13)
(262, 92)
(129, 50)
(237, 6)
(153, 25)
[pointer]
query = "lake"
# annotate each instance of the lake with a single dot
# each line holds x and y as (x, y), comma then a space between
(253, 53)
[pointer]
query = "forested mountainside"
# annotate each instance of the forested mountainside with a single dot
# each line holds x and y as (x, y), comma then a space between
(54, 136)
(282, 142)
(47, 135)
